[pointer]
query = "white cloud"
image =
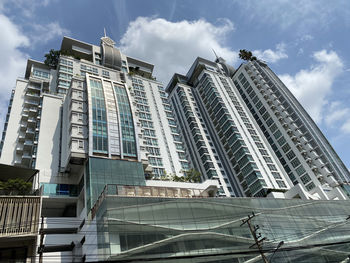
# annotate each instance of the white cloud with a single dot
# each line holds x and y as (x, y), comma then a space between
(26, 7)
(312, 87)
(345, 128)
(337, 112)
(47, 32)
(338, 116)
(13, 60)
(306, 37)
(173, 46)
(272, 56)
(302, 16)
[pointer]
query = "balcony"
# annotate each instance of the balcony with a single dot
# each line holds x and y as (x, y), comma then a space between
(308, 160)
(27, 223)
(278, 102)
(299, 145)
(33, 110)
(31, 120)
(30, 87)
(294, 138)
(313, 154)
(27, 156)
(32, 95)
(303, 139)
(23, 126)
(30, 131)
(18, 163)
(274, 97)
(303, 152)
(31, 102)
(325, 168)
(28, 143)
(19, 149)
(319, 162)
(314, 168)
(308, 147)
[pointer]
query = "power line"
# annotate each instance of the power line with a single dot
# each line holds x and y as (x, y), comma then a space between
(244, 252)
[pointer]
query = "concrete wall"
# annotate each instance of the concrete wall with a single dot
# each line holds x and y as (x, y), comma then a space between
(8, 155)
(49, 139)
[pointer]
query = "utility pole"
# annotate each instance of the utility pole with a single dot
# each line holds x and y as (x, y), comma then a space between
(257, 237)
(40, 250)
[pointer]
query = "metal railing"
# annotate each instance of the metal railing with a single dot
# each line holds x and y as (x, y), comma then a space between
(19, 215)
(145, 191)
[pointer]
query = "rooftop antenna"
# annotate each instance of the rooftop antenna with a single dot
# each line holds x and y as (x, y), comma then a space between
(104, 29)
(217, 58)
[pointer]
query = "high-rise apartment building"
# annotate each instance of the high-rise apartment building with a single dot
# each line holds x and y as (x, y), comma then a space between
(245, 127)
(97, 102)
(306, 155)
(220, 134)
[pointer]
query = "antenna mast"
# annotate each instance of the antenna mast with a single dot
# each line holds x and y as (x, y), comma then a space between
(215, 54)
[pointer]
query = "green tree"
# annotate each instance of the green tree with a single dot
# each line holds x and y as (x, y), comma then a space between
(178, 178)
(246, 55)
(15, 186)
(52, 58)
(192, 176)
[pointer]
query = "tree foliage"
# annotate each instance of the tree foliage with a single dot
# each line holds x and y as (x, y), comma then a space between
(15, 186)
(246, 55)
(52, 58)
(191, 176)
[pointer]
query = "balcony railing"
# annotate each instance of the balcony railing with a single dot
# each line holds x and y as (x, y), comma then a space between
(19, 215)
(26, 156)
(31, 102)
(146, 191)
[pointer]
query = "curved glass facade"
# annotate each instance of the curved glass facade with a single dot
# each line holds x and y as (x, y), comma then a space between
(209, 229)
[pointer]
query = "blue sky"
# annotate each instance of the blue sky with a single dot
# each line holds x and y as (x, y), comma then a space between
(305, 42)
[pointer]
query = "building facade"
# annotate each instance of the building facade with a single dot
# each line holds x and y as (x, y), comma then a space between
(96, 102)
(222, 138)
(306, 155)
(98, 126)
(210, 229)
(97, 117)
(246, 128)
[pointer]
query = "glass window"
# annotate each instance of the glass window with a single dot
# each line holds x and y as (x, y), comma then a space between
(126, 120)
(99, 119)
(41, 74)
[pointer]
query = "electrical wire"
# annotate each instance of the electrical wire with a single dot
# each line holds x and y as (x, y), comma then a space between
(244, 252)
